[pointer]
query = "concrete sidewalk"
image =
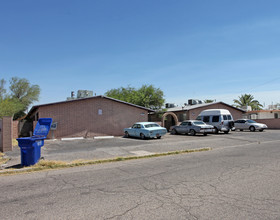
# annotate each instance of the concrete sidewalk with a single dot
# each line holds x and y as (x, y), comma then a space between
(87, 149)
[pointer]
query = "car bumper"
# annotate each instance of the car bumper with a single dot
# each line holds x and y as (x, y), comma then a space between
(206, 131)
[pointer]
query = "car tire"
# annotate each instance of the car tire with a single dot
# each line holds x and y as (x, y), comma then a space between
(261, 130)
(226, 132)
(159, 137)
(173, 131)
(142, 136)
(192, 132)
(252, 128)
(126, 135)
(205, 134)
(216, 131)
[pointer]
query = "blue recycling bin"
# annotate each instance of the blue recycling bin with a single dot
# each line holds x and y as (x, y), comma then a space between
(30, 147)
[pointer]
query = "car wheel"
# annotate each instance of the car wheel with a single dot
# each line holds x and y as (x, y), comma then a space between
(173, 131)
(252, 128)
(159, 137)
(205, 134)
(226, 132)
(142, 136)
(216, 131)
(126, 135)
(261, 130)
(192, 132)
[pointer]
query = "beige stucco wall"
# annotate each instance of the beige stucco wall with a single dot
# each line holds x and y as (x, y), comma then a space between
(271, 123)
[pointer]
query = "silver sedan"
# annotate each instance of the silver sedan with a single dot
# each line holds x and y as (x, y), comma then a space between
(192, 127)
(248, 124)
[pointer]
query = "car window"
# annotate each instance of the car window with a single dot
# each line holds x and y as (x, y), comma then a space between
(134, 126)
(224, 117)
(151, 125)
(183, 124)
(206, 118)
(198, 118)
(216, 118)
(251, 121)
(189, 123)
(229, 117)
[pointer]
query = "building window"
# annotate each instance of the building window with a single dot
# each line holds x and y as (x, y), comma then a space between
(182, 117)
(275, 115)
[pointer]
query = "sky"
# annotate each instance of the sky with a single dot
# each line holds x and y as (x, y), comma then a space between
(190, 49)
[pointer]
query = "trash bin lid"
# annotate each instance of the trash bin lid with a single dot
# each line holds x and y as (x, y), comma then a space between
(42, 127)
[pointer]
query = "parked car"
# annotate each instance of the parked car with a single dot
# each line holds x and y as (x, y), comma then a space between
(221, 119)
(145, 130)
(192, 127)
(248, 124)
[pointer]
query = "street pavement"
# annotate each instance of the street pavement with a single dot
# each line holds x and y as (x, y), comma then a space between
(107, 148)
(238, 179)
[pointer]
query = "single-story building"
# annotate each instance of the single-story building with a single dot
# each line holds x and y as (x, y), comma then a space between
(269, 117)
(263, 114)
(190, 112)
(89, 117)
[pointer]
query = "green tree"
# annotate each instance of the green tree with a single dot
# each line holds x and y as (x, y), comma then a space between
(247, 100)
(22, 95)
(2, 89)
(9, 107)
(147, 96)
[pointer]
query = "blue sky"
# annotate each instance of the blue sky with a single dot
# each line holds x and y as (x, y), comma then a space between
(216, 49)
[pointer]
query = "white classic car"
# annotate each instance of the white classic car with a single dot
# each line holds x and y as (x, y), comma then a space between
(145, 130)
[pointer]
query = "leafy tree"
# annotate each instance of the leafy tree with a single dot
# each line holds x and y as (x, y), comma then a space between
(22, 95)
(9, 107)
(247, 100)
(147, 96)
(2, 89)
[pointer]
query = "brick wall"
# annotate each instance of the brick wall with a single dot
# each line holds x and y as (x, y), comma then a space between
(273, 123)
(236, 114)
(15, 129)
(6, 133)
(91, 117)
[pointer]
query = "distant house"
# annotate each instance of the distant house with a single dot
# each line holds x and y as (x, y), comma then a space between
(189, 112)
(269, 117)
(263, 114)
(89, 117)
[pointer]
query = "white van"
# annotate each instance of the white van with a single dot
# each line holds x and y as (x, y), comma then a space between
(221, 119)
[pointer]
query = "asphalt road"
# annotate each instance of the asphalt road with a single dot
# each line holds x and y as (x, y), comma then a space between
(238, 179)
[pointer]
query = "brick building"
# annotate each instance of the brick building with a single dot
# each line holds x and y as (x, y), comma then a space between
(190, 112)
(89, 117)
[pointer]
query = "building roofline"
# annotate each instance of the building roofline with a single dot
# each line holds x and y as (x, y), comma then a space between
(81, 99)
(191, 107)
(257, 111)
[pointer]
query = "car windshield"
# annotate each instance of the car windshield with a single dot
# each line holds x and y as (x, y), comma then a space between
(251, 121)
(198, 122)
(151, 125)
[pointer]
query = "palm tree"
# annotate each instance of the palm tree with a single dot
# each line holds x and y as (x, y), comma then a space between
(247, 100)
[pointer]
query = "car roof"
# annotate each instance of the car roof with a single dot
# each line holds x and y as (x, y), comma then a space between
(145, 123)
